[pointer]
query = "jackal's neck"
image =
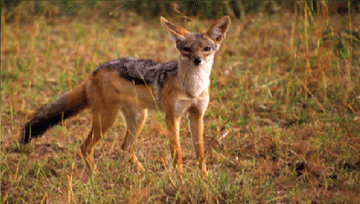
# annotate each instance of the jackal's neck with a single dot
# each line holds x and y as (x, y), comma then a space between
(194, 79)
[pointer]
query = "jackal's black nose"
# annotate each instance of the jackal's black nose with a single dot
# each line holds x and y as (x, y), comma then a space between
(197, 61)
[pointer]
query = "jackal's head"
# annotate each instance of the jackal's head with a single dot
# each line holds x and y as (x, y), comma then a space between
(198, 48)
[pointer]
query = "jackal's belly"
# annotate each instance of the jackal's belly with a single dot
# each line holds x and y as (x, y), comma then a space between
(143, 96)
(107, 86)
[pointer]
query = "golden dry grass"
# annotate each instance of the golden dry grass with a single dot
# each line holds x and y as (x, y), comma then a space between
(286, 88)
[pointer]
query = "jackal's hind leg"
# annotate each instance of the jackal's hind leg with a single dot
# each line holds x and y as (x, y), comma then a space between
(135, 119)
(103, 119)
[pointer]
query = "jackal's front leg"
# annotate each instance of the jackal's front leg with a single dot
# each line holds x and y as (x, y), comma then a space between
(197, 130)
(173, 125)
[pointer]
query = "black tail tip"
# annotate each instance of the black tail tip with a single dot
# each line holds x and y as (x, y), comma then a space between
(26, 133)
(32, 130)
(24, 137)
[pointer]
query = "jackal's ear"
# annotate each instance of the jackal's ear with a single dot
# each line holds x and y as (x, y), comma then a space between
(218, 30)
(176, 32)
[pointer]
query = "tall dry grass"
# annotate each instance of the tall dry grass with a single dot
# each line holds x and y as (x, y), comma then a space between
(282, 126)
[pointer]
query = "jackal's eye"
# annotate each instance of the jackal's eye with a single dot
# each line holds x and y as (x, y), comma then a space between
(187, 49)
(206, 49)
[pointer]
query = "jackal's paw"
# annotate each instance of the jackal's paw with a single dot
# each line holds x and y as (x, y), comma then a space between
(138, 167)
(204, 173)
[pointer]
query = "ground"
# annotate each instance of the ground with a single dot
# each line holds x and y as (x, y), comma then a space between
(283, 123)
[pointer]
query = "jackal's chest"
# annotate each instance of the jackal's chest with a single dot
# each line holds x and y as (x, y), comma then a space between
(195, 80)
(183, 103)
(196, 85)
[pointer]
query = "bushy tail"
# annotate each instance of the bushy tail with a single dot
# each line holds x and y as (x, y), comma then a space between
(65, 106)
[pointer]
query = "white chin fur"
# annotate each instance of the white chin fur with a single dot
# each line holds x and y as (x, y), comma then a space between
(195, 79)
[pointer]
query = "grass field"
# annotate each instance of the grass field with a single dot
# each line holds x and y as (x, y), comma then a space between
(283, 124)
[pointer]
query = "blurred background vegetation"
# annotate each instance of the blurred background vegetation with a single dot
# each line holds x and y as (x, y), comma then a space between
(204, 9)
(283, 124)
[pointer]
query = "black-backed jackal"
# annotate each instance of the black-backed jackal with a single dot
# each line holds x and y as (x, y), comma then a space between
(134, 85)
